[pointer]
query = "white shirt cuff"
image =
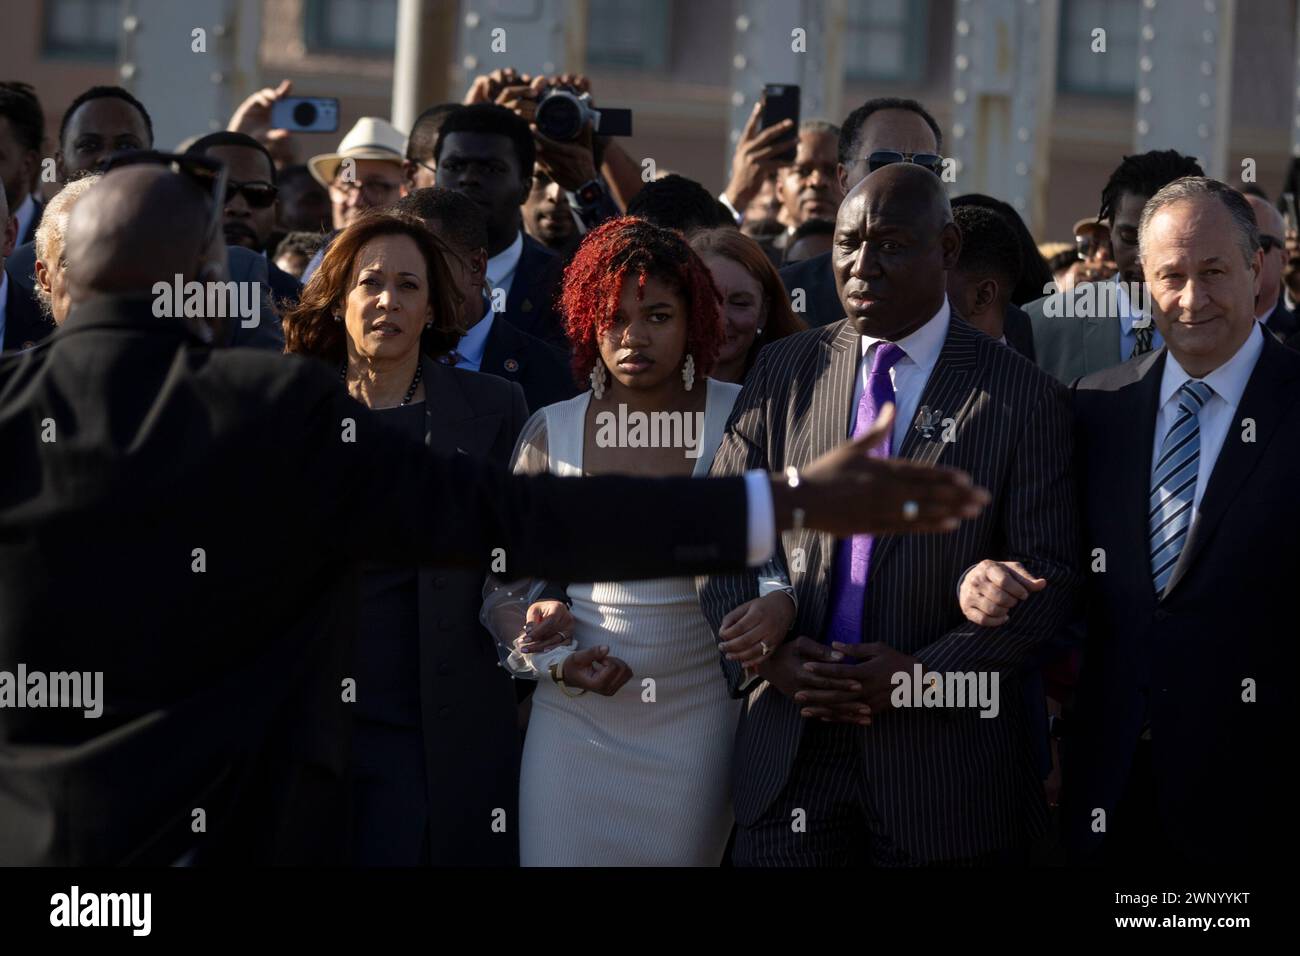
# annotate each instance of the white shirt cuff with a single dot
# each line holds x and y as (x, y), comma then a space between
(762, 517)
(739, 216)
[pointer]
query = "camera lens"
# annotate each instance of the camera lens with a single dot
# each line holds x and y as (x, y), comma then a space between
(560, 116)
(304, 114)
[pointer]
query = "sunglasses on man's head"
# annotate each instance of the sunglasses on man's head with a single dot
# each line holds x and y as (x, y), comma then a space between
(1269, 243)
(207, 173)
(886, 157)
(258, 194)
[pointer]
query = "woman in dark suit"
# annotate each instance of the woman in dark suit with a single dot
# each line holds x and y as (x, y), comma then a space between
(435, 750)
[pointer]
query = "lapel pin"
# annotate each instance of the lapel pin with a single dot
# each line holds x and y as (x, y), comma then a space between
(927, 421)
(512, 365)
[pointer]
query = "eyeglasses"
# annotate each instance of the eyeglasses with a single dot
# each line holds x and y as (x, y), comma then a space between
(207, 173)
(1269, 243)
(886, 157)
(377, 192)
(259, 194)
(1089, 247)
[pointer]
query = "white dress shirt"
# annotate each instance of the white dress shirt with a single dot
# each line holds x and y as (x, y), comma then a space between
(921, 351)
(1216, 416)
(473, 343)
(501, 267)
(1128, 314)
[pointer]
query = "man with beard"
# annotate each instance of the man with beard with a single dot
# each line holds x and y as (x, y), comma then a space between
(250, 211)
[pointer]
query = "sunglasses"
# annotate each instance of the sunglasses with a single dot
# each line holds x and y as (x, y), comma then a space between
(207, 173)
(886, 157)
(1269, 243)
(259, 194)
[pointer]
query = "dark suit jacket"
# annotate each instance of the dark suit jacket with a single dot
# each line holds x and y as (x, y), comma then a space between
(531, 305)
(1018, 331)
(30, 234)
(1227, 616)
(25, 323)
(21, 266)
(1074, 340)
(1282, 321)
(222, 679)
(540, 369)
(467, 700)
(821, 303)
(249, 266)
(1012, 434)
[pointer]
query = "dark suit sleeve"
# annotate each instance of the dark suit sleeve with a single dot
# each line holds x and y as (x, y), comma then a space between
(1040, 529)
(393, 500)
(744, 447)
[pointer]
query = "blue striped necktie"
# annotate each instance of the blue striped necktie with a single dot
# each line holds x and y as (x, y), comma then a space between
(1173, 483)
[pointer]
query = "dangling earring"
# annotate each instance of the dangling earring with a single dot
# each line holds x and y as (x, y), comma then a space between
(598, 379)
(688, 371)
(760, 331)
(337, 317)
(428, 325)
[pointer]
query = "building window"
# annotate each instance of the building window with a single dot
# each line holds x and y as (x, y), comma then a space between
(632, 34)
(351, 26)
(885, 40)
(82, 29)
(1113, 73)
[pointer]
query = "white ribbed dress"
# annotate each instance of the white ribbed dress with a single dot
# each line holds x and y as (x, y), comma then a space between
(626, 780)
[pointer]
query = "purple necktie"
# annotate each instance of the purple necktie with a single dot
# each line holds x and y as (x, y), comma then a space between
(853, 555)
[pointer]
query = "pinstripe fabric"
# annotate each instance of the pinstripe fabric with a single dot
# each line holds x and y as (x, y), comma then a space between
(939, 784)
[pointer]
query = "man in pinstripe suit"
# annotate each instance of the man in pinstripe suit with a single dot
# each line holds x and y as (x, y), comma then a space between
(827, 771)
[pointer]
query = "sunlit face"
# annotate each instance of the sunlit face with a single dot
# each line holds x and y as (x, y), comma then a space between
(52, 277)
(371, 184)
(245, 222)
(388, 303)
(808, 188)
(547, 215)
(99, 128)
(743, 307)
(1202, 289)
(645, 346)
(1124, 235)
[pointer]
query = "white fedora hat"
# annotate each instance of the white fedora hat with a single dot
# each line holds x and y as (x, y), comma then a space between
(371, 138)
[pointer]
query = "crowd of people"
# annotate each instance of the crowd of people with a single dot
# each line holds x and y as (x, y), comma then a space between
(349, 602)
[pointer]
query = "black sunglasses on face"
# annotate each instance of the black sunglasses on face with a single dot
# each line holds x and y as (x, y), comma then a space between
(1269, 243)
(886, 157)
(259, 194)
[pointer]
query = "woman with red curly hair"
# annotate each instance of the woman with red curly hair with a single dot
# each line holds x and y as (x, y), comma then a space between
(628, 756)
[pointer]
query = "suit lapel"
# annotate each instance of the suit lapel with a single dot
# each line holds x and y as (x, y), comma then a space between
(1132, 438)
(1264, 402)
(833, 390)
(501, 353)
(1101, 343)
(948, 393)
(451, 423)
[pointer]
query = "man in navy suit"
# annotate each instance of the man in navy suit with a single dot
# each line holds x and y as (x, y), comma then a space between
(880, 126)
(487, 152)
(249, 216)
(1270, 306)
(22, 128)
(21, 323)
(489, 344)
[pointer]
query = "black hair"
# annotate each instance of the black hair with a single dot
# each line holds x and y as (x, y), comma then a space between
(1251, 189)
(19, 105)
(490, 118)
(989, 245)
(1034, 273)
(303, 243)
(420, 145)
(1144, 174)
(100, 93)
(227, 137)
(295, 173)
(1063, 259)
(461, 223)
(851, 131)
(675, 202)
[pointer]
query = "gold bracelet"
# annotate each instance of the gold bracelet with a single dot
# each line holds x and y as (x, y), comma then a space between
(557, 675)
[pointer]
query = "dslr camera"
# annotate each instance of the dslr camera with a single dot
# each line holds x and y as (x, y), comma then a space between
(562, 112)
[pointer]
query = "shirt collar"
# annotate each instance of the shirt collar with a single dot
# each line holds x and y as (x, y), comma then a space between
(505, 261)
(1228, 380)
(473, 343)
(1127, 313)
(924, 345)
